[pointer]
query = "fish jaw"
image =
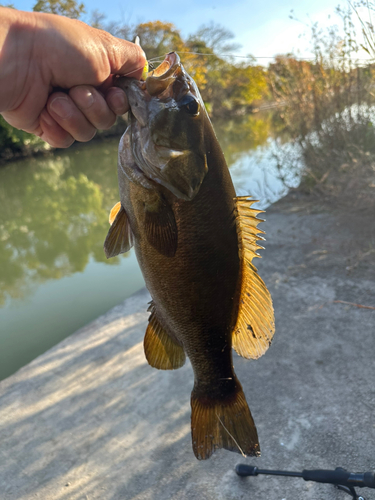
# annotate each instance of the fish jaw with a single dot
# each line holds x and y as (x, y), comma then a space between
(137, 98)
(167, 128)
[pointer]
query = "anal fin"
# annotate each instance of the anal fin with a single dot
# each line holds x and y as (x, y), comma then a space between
(119, 237)
(161, 350)
(255, 324)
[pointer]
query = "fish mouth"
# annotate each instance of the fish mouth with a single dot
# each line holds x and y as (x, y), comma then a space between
(161, 79)
(167, 67)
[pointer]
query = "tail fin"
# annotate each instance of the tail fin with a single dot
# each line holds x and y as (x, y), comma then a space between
(222, 423)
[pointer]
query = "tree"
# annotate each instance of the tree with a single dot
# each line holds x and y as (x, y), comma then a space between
(97, 19)
(216, 38)
(159, 38)
(68, 8)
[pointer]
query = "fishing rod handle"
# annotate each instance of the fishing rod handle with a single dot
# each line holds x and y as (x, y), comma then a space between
(246, 470)
(340, 476)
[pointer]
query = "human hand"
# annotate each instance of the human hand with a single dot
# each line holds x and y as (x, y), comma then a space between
(42, 52)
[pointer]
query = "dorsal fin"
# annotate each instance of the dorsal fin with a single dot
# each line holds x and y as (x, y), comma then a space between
(119, 237)
(161, 350)
(255, 324)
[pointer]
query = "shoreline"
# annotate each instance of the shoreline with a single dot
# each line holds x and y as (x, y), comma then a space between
(49, 152)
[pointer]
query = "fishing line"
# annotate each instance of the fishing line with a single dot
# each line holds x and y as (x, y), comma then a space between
(158, 59)
(216, 55)
(227, 55)
(239, 447)
(130, 72)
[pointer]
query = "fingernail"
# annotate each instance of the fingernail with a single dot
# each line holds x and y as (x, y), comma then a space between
(118, 102)
(62, 107)
(83, 97)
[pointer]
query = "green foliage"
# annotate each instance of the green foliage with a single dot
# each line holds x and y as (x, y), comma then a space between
(17, 141)
(68, 8)
(232, 89)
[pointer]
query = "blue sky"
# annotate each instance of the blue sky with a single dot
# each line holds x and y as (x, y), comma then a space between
(262, 28)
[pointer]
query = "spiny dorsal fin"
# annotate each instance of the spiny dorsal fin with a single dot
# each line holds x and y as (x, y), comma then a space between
(161, 350)
(255, 324)
(119, 237)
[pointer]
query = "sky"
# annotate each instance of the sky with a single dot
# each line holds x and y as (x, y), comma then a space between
(263, 29)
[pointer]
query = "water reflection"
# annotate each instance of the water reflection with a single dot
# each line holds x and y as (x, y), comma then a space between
(53, 218)
(268, 173)
(54, 276)
(243, 135)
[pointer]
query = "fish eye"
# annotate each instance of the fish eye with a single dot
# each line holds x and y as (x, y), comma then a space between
(189, 104)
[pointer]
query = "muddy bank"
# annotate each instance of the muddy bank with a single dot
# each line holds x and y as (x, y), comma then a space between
(90, 419)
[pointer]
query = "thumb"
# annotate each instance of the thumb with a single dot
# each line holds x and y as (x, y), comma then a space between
(125, 58)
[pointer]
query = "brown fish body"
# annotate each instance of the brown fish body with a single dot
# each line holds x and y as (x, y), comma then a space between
(185, 228)
(194, 291)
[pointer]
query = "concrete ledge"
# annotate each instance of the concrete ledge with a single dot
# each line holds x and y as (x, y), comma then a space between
(89, 419)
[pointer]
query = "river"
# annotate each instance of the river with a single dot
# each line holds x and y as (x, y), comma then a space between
(54, 277)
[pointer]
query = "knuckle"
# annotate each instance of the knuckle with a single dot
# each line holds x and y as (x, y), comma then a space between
(82, 96)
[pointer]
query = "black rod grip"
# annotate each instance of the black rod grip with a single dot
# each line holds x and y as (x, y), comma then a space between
(246, 470)
(340, 476)
(369, 479)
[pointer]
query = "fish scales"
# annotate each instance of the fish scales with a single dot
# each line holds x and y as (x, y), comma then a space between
(178, 209)
(193, 291)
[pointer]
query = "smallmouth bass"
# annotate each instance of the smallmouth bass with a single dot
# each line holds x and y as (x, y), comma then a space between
(194, 242)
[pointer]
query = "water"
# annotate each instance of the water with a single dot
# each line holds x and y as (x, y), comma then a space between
(257, 172)
(54, 277)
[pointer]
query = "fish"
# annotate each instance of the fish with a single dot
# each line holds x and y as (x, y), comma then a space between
(195, 242)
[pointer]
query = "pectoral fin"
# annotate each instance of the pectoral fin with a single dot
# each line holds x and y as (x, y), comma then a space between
(119, 237)
(255, 324)
(161, 350)
(114, 211)
(160, 227)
